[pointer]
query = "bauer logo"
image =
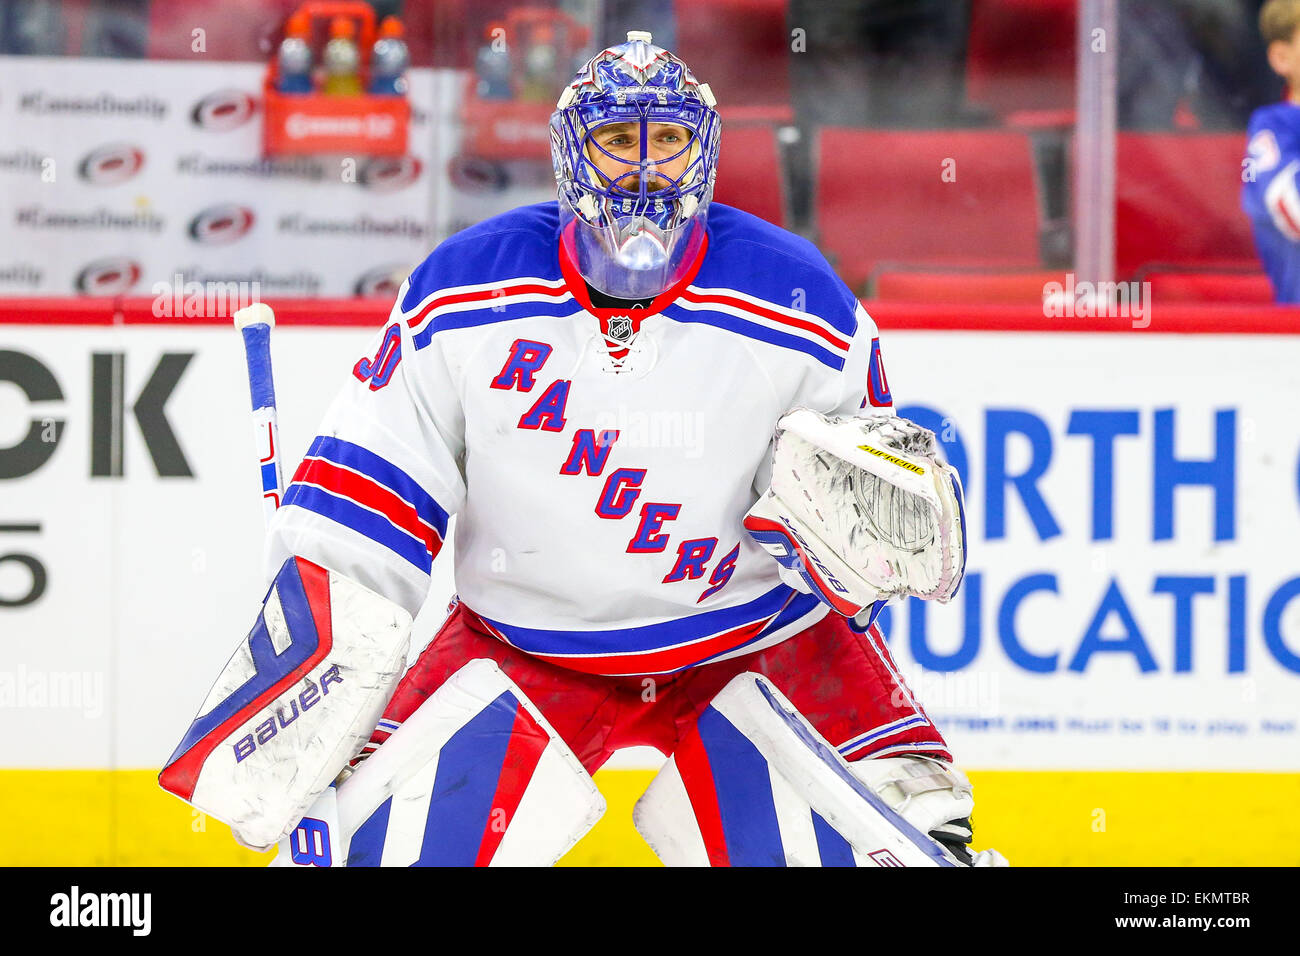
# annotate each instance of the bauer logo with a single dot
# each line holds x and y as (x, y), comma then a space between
(223, 110)
(382, 282)
(220, 225)
(285, 713)
(390, 173)
(115, 275)
(111, 164)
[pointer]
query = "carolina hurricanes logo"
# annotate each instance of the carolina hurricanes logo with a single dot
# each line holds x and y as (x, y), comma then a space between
(112, 276)
(223, 110)
(388, 173)
(383, 282)
(219, 225)
(111, 164)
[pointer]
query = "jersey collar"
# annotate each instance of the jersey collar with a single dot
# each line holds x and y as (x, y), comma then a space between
(578, 286)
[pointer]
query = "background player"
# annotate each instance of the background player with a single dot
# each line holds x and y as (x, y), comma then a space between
(1270, 196)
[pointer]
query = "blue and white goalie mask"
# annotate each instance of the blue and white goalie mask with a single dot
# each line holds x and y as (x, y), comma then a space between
(634, 139)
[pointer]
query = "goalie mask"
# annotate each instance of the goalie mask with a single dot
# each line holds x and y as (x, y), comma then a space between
(634, 230)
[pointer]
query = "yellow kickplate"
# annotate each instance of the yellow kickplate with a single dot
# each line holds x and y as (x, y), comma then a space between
(1039, 818)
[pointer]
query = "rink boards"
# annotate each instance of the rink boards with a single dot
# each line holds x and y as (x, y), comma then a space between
(1048, 818)
(1128, 634)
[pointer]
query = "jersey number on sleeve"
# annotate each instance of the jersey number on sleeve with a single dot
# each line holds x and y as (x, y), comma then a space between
(379, 370)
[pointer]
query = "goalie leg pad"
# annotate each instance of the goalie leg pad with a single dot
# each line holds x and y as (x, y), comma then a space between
(296, 700)
(753, 784)
(475, 776)
(314, 841)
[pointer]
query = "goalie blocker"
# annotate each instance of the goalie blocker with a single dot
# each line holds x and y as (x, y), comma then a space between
(295, 702)
(862, 510)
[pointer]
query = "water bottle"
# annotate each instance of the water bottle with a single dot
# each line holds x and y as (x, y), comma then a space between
(492, 64)
(541, 60)
(294, 56)
(342, 60)
(389, 60)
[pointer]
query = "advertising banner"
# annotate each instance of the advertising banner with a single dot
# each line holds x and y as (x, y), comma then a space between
(117, 175)
(1132, 598)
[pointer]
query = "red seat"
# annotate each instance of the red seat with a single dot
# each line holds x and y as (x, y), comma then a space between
(749, 172)
(741, 48)
(1210, 287)
(883, 196)
(1021, 55)
(236, 34)
(1177, 201)
(1008, 288)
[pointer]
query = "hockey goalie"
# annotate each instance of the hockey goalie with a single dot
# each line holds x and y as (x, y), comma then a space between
(707, 586)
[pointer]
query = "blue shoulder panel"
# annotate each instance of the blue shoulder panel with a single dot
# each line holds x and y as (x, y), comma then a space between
(753, 256)
(522, 242)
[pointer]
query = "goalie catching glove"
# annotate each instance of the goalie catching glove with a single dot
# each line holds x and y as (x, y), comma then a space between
(862, 510)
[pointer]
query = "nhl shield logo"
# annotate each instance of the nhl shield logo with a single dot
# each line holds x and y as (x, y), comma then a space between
(620, 327)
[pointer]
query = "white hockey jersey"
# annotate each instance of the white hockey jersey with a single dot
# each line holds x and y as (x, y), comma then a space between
(599, 490)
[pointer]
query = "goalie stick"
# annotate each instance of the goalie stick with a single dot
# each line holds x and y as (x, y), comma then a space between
(311, 842)
(254, 323)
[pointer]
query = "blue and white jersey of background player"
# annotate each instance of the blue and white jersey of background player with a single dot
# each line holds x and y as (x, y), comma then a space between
(1270, 195)
(599, 490)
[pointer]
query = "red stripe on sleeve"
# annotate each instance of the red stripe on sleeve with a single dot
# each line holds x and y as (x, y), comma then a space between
(1281, 207)
(366, 491)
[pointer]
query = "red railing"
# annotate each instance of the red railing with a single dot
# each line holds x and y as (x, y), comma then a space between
(1177, 318)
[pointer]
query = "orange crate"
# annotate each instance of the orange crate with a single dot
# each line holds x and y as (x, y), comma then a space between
(296, 124)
